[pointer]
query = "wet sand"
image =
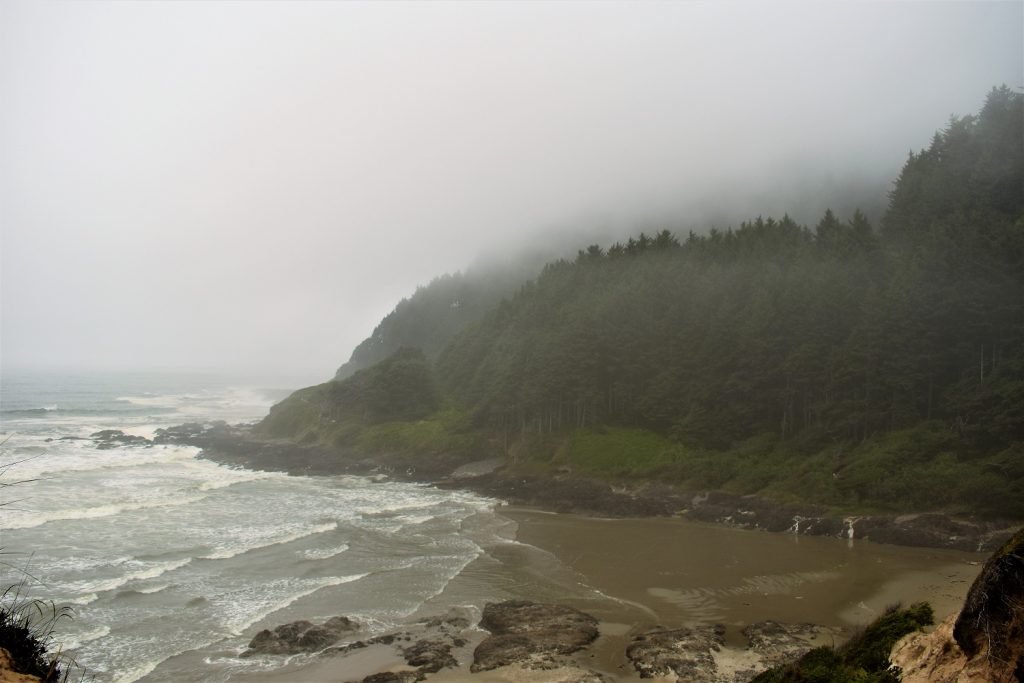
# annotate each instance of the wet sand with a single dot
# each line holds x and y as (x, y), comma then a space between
(636, 574)
(678, 572)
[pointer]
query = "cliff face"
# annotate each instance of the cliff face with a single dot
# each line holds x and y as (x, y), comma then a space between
(985, 642)
(8, 673)
(991, 624)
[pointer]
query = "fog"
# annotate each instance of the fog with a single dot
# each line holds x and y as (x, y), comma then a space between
(250, 187)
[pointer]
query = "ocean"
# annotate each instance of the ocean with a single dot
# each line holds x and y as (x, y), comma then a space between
(172, 563)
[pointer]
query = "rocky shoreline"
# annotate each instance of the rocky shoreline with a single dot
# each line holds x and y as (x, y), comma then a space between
(549, 643)
(519, 639)
(565, 492)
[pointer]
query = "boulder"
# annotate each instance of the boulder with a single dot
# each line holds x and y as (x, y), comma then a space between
(531, 633)
(992, 620)
(985, 642)
(685, 653)
(113, 438)
(300, 636)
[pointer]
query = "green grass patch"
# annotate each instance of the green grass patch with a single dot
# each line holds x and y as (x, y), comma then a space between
(864, 659)
(295, 416)
(926, 468)
(616, 452)
(446, 432)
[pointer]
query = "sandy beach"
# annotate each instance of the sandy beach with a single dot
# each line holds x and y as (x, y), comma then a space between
(635, 575)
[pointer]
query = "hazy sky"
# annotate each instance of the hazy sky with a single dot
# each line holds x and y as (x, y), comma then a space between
(253, 186)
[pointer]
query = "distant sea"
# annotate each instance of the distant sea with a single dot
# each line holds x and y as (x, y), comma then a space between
(172, 562)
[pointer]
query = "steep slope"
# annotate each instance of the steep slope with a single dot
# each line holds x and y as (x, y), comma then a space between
(858, 369)
(438, 311)
(985, 642)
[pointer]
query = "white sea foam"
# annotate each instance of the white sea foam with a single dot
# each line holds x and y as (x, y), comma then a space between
(85, 458)
(77, 641)
(80, 600)
(323, 553)
(164, 401)
(241, 622)
(384, 510)
(135, 673)
(222, 477)
(412, 520)
(227, 553)
(29, 521)
(103, 585)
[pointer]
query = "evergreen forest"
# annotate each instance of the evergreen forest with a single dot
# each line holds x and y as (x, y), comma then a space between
(858, 366)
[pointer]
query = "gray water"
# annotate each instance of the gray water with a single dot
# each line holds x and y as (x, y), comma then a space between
(171, 562)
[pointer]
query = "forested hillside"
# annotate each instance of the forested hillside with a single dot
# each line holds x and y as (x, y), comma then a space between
(435, 313)
(858, 366)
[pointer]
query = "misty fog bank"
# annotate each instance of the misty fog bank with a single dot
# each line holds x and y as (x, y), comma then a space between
(244, 186)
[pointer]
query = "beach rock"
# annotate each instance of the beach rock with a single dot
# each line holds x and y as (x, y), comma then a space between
(985, 642)
(685, 653)
(930, 530)
(531, 634)
(427, 644)
(114, 438)
(430, 656)
(699, 654)
(299, 636)
(776, 643)
(991, 624)
(394, 677)
(455, 619)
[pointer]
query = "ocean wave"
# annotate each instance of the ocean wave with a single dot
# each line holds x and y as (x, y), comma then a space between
(51, 411)
(413, 520)
(323, 553)
(30, 411)
(228, 553)
(134, 592)
(229, 477)
(164, 400)
(30, 521)
(77, 641)
(90, 459)
(80, 600)
(237, 626)
(393, 509)
(137, 672)
(105, 585)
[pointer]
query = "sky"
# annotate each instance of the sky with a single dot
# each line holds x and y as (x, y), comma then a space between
(250, 187)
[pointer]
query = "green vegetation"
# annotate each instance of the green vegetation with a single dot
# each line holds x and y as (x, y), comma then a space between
(445, 432)
(616, 452)
(435, 313)
(401, 387)
(26, 628)
(856, 368)
(865, 659)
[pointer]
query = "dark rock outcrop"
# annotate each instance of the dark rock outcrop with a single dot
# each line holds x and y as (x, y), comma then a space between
(684, 652)
(429, 645)
(699, 654)
(985, 642)
(240, 446)
(300, 636)
(776, 643)
(991, 623)
(531, 634)
(931, 530)
(115, 438)
(430, 656)
(394, 677)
